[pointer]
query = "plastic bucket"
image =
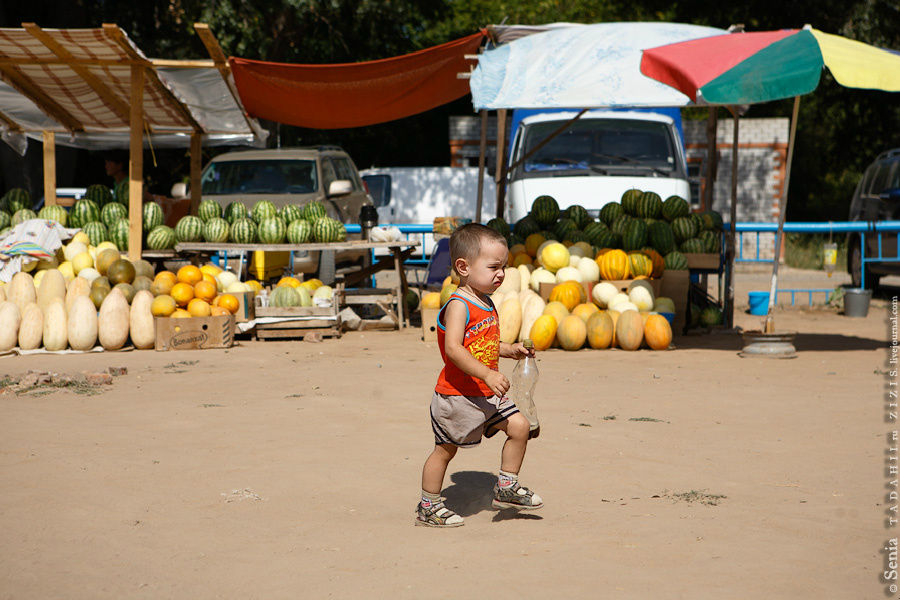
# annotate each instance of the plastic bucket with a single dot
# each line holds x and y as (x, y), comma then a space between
(759, 303)
(856, 302)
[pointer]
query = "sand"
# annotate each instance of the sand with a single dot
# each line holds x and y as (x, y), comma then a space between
(291, 470)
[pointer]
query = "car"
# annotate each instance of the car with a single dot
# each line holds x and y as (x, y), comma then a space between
(288, 176)
(876, 198)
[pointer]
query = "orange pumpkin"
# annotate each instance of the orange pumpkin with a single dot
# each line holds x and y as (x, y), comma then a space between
(543, 332)
(640, 264)
(571, 333)
(659, 264)
(570, 293)
(600, 253)
(600, 330)
(630, 330)
(614, 265)
(657, 332)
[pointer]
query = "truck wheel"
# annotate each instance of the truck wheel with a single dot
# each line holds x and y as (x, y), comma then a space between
(854, 263)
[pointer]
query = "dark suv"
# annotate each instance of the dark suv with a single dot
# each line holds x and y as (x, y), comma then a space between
(877, 198)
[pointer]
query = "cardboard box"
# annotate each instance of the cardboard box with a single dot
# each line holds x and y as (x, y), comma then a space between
(702, 261)
(196, 333)
(246, 307)
(429, 324)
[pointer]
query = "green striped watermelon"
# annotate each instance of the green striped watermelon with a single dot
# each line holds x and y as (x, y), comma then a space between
(54, 212)
(684, 228)
(290, 213)
(574, 236)
(698, 221)
(675, 261)
(592, 230)
(16, 199)
(512, 239)
(153, 216)
(96, 232)
(84, 211)
(243, 231)
(271, 231)
(215, 230)
(579, 214)
(607, 239)
(619, 224)
(189, 229)
(22, 215)
(299, 231)
(610, 212)
(675, 207)
(235, 211)
(661, 237)
(6, 219)
(112, 212)
(545, 210)
(711, 241)
(499, 225)
(161, 237)
(314, 210)
(629, 201)
(209, 209)
(327, 230)
(712, 220)
(526, 226)
(119, 234)
(562, 227)
(120, 192)
(634, 237)
(262, 210)
(99, 193)
(649, 205)
(692, 246)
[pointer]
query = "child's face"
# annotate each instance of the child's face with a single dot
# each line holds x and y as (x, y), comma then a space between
(485, 273)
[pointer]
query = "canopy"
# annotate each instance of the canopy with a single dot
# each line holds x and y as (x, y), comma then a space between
(585, 66)
(336, 96)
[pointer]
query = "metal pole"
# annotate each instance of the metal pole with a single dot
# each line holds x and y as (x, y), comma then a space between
(782, 213)
(481, 159)
(500, 175)
(732, 233)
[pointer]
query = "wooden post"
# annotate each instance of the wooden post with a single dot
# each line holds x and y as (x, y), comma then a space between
(712, 158)
(500, 174)
(481, 159)
(196, 164)
(136, 164)
(732, 232)
(49, 139)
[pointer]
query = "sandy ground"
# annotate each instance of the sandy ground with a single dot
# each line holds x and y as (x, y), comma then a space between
(291, 470)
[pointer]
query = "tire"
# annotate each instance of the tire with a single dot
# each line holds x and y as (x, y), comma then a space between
(854, 265)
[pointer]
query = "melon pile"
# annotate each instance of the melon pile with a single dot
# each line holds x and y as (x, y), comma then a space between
(198, 292)
(291, 292)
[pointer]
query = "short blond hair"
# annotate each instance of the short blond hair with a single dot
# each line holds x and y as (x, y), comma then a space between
(467, 240)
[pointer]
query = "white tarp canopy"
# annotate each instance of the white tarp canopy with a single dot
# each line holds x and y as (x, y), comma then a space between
(583, 66)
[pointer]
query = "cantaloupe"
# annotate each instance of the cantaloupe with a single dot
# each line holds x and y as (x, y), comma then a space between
(77, 287)
(53, 285)
(571, 333)
(113, 322)
(585, 311)
(510, 320)
(543, 332)
(20, 291)
(630, 330)
(557, 310)
(143, 334)
(55, 334)
(10, 318)
(600, 330)
(82, 325)
(657, 332)
(31, 328)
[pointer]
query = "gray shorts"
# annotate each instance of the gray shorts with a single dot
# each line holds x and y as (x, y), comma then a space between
(462, 420)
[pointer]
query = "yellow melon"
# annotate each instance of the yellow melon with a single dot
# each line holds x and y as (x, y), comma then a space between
(571, 333)
(600, 330)
(554, 257)
(431, 300)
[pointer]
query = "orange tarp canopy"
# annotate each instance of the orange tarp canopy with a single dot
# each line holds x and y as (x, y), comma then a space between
(354, 94)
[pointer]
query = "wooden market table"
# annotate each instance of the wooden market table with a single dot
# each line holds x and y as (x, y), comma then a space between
(400, 250)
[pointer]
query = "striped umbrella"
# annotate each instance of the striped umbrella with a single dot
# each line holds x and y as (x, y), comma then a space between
(746, 68)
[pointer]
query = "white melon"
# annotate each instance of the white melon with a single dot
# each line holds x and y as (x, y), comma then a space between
(10, 318)
(603, 293)
(664, 304)
(142, 331)
(589, 269)
(53, 285)
(74, 249)
(113, 322)
(21, 291)
(641, 297)
(77, 287)
(511, 281)
(82, 324)
(225, 279)
(90, 274)
(31, 328)
(539, 276)
(569, 274)
(524, 276)
(55, 334)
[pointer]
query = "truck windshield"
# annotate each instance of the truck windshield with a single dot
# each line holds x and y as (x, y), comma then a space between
(601, 146)
(260, 177)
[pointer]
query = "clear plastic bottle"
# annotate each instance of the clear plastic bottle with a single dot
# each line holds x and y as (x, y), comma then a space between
(524, 379)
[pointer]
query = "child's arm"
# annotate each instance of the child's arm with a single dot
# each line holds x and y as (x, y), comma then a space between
(454, 330)
(516, 351)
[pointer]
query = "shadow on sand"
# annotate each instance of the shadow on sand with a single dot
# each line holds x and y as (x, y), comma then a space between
(472, 492)
(808, 342)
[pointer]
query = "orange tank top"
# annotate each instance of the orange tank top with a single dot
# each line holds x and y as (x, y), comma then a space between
(481, 339)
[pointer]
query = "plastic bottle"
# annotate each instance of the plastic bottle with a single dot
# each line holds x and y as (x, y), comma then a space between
(524, 379)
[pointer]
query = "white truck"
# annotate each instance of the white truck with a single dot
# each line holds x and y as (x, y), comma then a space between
(595, 160)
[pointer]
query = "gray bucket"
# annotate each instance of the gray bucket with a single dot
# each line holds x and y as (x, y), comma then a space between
(856, 302)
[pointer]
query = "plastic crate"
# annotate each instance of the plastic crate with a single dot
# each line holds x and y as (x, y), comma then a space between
(268, 264)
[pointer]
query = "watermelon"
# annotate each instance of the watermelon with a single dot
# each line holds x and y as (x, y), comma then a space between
(16, 199)
(574, 236)
(649, 205)
(684, 228)
(153, 216)
(545, 210)
(314, 210)
(290, 213)
(112, 212)
(698, 222)
(712, 221)
(189, 229)
(271, 231)
(299, 231)
(629, 201)
(84, 211)
(243, 231)
(327, 230)
(607, 239)
(22, 215)
(711, 241)
(610, 212)
(215, 230)
(711, 316)
(209, 209)
(619, 224)
(119, 233)
(526, 226)
(692, 246)
(579, 214)
(675, 261)
(99, 193)
(512, 239)
(562, 227)
(499, 225)
(262, 210)
(120, 192)
(592, 230)
(161, 237)
(661, 237)
(96, 232)
(675, 207)
(634, 236)
(54, 212)
(235, 211)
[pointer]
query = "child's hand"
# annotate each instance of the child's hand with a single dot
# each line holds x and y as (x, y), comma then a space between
(498, 383)
(518, 351)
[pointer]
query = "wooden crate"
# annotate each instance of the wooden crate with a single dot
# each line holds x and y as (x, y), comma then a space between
(329, 325)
